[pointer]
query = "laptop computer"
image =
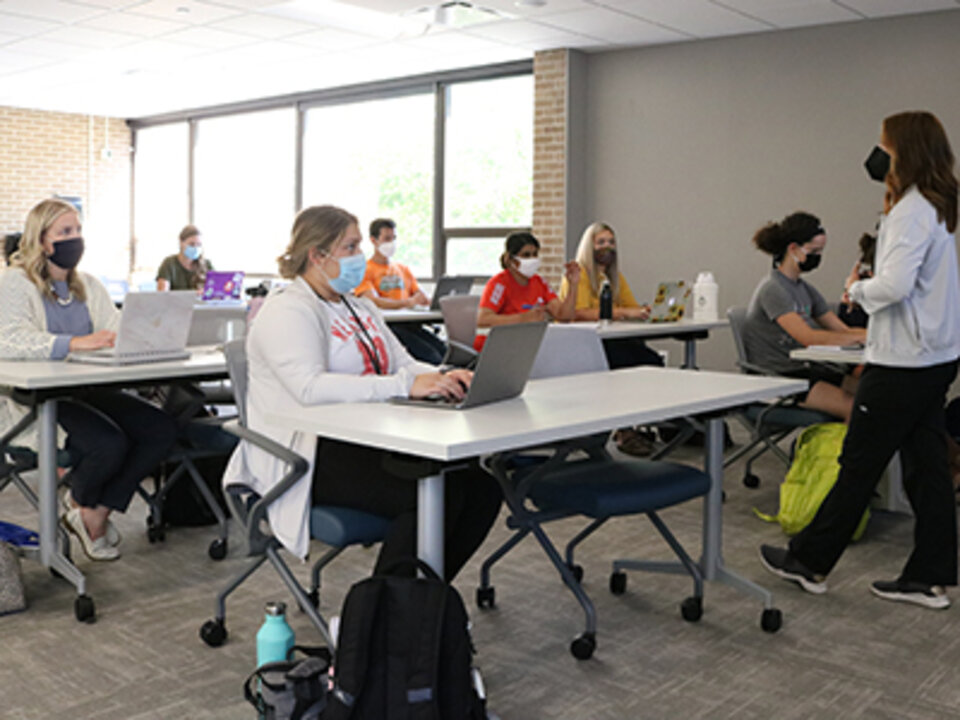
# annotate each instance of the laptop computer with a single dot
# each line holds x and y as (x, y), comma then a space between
(223, 287)
(153, 327)
(502, 370)
(670, 302)
(450, 285)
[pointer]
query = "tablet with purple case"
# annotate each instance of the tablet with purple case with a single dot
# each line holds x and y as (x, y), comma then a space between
(223, 286)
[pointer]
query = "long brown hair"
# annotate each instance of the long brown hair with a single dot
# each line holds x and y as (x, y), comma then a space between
(922, 157)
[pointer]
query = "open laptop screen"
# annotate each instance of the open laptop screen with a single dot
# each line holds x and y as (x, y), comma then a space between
(223, 286)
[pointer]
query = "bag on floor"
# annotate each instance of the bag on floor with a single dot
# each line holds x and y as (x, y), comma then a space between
(290, 689)
(811, 476)
(404, 651)
(12, 598)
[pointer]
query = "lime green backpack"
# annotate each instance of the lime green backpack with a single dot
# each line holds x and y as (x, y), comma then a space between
(811, 476)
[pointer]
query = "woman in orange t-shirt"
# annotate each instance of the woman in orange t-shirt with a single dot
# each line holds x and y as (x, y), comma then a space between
(517, 294)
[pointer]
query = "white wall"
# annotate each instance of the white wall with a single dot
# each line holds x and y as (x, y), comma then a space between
(691, 147)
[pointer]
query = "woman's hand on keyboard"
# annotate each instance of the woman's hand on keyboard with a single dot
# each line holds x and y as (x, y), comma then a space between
(94, 341)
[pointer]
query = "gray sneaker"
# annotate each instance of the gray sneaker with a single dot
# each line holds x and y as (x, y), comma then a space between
(784, 565)
(929, 596)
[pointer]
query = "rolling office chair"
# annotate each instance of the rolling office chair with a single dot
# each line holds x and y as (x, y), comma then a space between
(768, 423)
(565, 484)
(460, 320)
(335, 526)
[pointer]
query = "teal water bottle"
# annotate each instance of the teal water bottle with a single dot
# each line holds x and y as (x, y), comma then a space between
(275, 637)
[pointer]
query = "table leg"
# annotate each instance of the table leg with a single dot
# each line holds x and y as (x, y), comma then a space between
(430, 521)
(50, 554)
(689, 353)
(711, 562)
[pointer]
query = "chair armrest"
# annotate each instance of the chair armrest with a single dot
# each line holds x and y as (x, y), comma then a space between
(749, 367)
(459, 354)
(298, 467)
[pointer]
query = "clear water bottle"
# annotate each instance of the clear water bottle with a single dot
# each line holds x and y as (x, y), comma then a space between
(606, 301)
(275, 637)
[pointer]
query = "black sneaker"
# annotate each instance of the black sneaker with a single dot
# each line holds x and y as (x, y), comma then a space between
(929, 596)
(781, 563)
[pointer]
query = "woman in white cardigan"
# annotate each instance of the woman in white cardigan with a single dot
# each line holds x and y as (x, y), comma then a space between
(315, 343)
(48, 309)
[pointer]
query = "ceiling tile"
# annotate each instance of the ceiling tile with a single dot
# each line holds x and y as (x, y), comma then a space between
(331, 39)
(208, 39)
(522, 32)
(700, 18)
(529, 11)
(245, 4)
(188, 11)
(7, 38)
(44, 48)
(262, 26)
(19, 25)
(794, 13)
(880, 8)
(128, 22)
(89, 37)
(614, 27)
(11, 61)
(51, 10)
(106, 4)
(450, 41)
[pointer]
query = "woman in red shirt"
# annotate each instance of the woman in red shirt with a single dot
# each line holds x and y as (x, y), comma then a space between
(518, 294)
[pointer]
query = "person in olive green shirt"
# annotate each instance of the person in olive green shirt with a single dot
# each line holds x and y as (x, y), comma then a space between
(187, 270)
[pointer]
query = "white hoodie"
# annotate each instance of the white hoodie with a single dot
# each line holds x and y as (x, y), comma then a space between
(914, 297)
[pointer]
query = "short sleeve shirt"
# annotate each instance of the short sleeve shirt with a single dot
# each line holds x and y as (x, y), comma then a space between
(505, 296)
(179, 277)
(766, 343)
(393, 281)
(587, 299)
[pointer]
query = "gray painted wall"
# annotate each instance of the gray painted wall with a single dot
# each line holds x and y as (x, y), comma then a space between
(691, 147)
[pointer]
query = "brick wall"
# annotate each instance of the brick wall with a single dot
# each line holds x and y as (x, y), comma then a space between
(50, 153)
(550, 160)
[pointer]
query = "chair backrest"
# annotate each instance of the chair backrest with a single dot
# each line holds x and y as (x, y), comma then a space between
(460, 317)
(737, 316)
(235, 352)
(568, 351)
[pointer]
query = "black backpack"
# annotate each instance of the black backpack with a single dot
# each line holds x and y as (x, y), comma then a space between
(404, 651)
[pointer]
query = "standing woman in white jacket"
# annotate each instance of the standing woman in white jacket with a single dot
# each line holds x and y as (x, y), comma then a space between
(314, 343)
(913, 342)
(47, 309)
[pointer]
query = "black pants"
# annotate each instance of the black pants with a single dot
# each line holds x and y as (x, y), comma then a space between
(629, 352)
(355, 476)
(894, 409)
(118, 439)
(420, 342)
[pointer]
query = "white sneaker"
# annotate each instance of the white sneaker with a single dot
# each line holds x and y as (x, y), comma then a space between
(99, 549)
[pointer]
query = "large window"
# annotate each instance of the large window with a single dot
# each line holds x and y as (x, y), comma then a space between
(161, 199)
(375, 159)
(244, 188)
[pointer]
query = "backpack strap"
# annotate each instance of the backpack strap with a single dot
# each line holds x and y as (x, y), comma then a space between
(422, 668)
(353, 646)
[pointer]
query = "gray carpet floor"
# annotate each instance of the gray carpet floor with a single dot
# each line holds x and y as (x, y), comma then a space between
(841, 655)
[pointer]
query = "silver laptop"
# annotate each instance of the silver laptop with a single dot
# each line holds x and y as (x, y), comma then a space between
(153, 327)
(450, 285)
(502, 370)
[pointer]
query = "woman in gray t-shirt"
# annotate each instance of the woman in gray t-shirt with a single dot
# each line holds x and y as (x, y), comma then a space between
(787, 312)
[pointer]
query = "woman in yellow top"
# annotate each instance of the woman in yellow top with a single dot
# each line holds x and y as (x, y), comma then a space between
(597, 256)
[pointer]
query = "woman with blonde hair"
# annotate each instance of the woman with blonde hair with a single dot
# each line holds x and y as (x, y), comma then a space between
(314, 342)
(48, 309)
(913, 342)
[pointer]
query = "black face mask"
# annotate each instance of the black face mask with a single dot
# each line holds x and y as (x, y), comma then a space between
(605, 256)
(67, 253)
(810, 262)
(878, 164)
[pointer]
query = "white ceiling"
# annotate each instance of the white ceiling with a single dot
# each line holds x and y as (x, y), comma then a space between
(131, 58)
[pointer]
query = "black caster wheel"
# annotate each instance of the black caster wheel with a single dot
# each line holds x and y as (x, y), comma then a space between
(618, 582)
(213, 632)
(771, 620)
(217, 549)
(151, 534)
(577, 571)
(751, 480)
(84, 610)
(583, 646)
(314, 596)
(692, 609)
(485, 597)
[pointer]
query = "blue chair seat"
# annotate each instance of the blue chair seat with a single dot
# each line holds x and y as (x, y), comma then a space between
(787, 416)
(340, 526)
(607, 488)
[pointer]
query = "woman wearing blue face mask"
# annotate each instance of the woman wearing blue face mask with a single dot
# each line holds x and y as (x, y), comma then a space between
(187, 270)
(787, 312)
(47, 309)
(314, 342)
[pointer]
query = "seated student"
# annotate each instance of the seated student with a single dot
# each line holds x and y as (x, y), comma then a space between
(47, 309)
(786, 312)
(316, 343)
(849, 312)
(10, 244)
(391, 286)
(517, 294)
(187, 270)
(597, 258)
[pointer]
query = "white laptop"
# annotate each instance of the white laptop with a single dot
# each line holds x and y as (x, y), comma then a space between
(502, 370)
(153, 327)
